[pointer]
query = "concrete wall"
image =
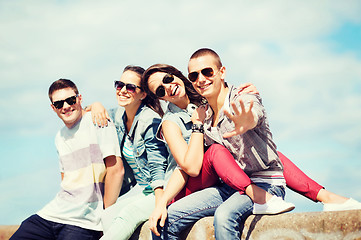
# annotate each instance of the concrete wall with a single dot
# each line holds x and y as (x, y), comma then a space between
(344, 225)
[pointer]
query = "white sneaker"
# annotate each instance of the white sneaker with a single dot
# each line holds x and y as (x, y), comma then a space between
(350, 204)
(273, 206)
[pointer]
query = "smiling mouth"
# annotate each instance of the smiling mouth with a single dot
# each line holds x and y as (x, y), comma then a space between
(174, 91)
(204, 86)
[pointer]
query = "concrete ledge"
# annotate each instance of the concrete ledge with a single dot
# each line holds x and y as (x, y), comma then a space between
(310, 225)
(306, 226)
(6, 231)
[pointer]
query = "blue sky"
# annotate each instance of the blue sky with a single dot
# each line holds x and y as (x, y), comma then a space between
(303, 56)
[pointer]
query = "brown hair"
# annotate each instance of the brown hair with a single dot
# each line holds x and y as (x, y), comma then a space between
(206, 51)
(152, 103)
(61, 84)
(192, 94)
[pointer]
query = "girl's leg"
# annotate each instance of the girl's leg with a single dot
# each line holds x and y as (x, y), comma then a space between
(298, 181)
(130, 217)
(218, 162)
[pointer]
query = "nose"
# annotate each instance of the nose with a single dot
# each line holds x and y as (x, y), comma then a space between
(66, 105)
(201, 78)
(123, 89)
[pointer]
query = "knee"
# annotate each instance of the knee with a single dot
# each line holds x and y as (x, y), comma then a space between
(221, 217)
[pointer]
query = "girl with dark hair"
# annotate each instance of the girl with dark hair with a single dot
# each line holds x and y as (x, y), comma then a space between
(165, 82)
(137, 123)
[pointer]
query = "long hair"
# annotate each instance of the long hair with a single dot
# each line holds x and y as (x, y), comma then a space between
(193, 95)
(150, 102)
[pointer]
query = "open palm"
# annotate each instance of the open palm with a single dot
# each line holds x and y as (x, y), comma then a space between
(244, 120)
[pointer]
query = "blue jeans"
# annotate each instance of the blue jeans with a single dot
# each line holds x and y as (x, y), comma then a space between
(229, 207)
(38, 228)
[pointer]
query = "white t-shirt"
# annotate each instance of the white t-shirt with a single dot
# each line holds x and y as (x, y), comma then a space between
(82, 150)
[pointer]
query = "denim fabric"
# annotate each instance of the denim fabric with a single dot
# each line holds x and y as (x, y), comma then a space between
(231, 214)
(150, 153)
(228, 206)
(122, 218)
(38, 228)
(182, 118)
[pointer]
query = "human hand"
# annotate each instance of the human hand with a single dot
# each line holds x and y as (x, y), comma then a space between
(159, 214)
(247, 88)
(99, 114)
(199, 114)
(243, 121)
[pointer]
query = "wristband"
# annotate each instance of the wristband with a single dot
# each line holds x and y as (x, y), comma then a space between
(197, 128)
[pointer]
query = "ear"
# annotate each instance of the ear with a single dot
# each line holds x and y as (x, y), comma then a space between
(80, 97)
(223, 72)
(52, 107)
(144, 95)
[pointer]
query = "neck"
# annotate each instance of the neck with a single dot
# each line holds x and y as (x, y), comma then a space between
(183, 102)
(72, 125)
(216, 102)
(130, 112)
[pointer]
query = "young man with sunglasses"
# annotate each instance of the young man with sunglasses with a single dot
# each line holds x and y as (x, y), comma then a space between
(91, 172)
(245, 133)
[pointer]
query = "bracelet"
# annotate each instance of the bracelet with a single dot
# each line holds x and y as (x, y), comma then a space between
(197, 128)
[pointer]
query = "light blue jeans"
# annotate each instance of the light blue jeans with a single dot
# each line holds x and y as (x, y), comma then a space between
(229, 207)
(122, 218)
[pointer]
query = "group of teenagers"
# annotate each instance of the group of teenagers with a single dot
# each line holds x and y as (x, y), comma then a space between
(204, 150)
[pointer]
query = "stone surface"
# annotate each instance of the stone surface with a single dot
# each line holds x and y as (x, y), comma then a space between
(345, 225)
(7, 230)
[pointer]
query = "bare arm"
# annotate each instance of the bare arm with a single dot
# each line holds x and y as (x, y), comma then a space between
(113, 179)
(178, 147)
(176, 183)
(99, 114)
(195, 149)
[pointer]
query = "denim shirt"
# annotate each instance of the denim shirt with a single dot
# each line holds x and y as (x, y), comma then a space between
(150, 153)
(181, 117)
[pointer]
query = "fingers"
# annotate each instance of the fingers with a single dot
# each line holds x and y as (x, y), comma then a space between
(162, 220)
(229, 134)
(153, 225)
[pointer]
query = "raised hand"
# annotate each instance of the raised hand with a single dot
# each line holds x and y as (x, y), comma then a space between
(244, 120)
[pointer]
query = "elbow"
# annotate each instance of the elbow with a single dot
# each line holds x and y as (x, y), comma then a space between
(192, 171)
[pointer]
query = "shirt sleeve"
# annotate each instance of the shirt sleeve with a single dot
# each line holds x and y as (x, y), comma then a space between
(108, 140)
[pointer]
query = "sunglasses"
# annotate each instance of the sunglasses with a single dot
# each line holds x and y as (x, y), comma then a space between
(128, 86)
(160, 92)
(207, 72)
(70, 100)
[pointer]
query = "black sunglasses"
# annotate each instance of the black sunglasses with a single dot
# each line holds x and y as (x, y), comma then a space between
(129, 86)
(70, 100)
(160, 92)
(207, 72)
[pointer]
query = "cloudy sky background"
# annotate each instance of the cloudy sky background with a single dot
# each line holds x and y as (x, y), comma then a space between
(303, 56)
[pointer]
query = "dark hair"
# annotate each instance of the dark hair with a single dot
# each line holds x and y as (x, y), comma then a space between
(148, 100)
(192, 94)
(61, 84)
(206, 51)
(135, 69)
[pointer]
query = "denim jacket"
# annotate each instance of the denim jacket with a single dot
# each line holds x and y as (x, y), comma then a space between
(150, 153)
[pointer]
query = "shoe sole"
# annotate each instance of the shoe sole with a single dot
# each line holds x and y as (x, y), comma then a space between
(283, 211)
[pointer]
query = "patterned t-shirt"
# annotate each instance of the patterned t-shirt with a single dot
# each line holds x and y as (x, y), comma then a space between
(81, 150)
